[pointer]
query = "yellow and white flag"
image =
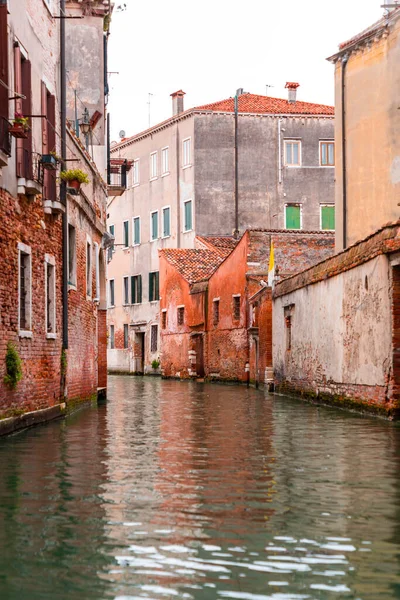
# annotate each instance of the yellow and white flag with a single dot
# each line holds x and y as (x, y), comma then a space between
(271, 267)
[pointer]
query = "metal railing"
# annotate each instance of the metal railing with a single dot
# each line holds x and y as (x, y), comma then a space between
(24, 163)
(5, 137)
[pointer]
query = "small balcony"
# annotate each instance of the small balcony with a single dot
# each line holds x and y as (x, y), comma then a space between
(5, 142)
(29, 172)
(117, 176)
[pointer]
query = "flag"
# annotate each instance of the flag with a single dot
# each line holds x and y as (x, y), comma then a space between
(271, 267)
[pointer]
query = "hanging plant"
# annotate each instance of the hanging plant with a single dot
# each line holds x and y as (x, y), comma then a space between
(13, 366)
(74, 178)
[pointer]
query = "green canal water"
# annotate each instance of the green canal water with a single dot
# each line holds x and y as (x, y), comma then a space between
(185, 490)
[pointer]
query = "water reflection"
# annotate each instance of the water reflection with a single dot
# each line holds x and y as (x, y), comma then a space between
(201, 491)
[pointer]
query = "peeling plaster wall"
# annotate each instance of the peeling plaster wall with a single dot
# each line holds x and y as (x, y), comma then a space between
(340, 332)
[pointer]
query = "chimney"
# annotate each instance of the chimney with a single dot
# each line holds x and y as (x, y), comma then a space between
(177, 102)
(292, 87)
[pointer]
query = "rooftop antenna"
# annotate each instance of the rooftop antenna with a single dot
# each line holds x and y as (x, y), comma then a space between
(266, 88)
(149, 105)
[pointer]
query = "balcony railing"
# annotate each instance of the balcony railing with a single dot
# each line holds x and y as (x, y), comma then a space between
(5, 138)
(117, 176)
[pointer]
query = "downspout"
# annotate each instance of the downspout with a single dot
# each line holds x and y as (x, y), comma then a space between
(279, 150)
(344, 178)
(63, 188)
(236, 230)
(108, 150)
(178, 191)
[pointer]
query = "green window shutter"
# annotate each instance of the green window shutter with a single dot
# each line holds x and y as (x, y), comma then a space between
(157, 285)
(154, 225)
(133, 291)
(151, 287)
(126, 233)
(328, 217)
(166, 223)
(139, 289)
(188, 215)
(292, 217)
(136, 234)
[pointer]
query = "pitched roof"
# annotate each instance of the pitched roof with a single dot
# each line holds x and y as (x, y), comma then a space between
(254, 103)
(193, 265)
(223, 245)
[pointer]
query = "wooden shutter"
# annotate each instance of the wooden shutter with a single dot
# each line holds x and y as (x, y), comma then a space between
(151, 287)
(328, 217)
(293, 217)
(26, 87)
(133, 290)
(157, 286)
(51, 128)
(139, 289)
(4, 92)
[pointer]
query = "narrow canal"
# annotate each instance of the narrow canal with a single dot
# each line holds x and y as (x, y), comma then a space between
(185, 490)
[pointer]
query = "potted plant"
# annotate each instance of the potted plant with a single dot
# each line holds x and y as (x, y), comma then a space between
(20, 126)
(50, 161)
(74, 178)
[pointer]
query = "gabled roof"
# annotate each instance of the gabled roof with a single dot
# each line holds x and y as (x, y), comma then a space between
(193, 265)
(254, 103)
(223, 245)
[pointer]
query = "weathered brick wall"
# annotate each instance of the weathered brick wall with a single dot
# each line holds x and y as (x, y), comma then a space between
(24, 221)
(175, 355)
(228, 352)
(102, 347)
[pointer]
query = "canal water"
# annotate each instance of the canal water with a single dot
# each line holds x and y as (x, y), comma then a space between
(186, 490)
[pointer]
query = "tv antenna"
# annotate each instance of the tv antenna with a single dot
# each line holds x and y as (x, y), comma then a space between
(149, 105)
(266, 88)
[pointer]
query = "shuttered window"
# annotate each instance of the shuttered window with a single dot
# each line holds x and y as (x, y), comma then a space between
(126, 233)
(154, 293)
(188, 215)
(126, 335)
(136, 231)
(154, 225)
(328, 217)
(293, 216)
(136, 289)
(166, 221)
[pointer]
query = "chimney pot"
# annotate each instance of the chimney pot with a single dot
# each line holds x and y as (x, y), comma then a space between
(292, 86)
(177, 102)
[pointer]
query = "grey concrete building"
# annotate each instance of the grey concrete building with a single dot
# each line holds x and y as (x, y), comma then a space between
(217, 169)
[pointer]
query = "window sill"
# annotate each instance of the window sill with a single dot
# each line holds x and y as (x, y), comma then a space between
(153, 178)
(186, 166)
(165, 174)
(135, 185)
(125, 248)
(72, 286)
(327, 166)
(154, 301)
(111, 306)
(165, 237)
(293, 166)
(23, 333)
(51, 336)
(188, 230)
(136, 245)
(154, 240)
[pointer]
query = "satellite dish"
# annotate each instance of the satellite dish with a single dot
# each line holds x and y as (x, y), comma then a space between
(122, 134)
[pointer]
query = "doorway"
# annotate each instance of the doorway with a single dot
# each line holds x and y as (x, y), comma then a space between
(140, 357)
(198, 347)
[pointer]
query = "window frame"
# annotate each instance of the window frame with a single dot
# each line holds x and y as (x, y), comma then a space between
(164, 208)
(184, 215)
(320, 215)
(153, 239)
(126, 336)
(137, 287)
(125, 290)
(164, 318)
(49, 261)
(165, 152)
(112, 336)
(136, 163)
(133, 231)
(285, 144)
(185, 165)
(216, 313)
(153, 326)
(72, 281)
(296, 204)
(111, 249)
(97, 271)
(154, 287)
(152, 175)
(111, 296)
(125, 234)
(27, 330)
(235, 299)
(89, 268)
(327, 142)
(180, 310)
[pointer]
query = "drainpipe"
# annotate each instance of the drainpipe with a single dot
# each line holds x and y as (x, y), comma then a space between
(63, 188)
(178, 191)
(236, 231)
(279, 150)
(344, 182)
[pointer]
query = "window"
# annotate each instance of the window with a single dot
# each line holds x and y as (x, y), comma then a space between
(327, 154)
(181, 315)
(164, 319)
(111, 249)
(126, 233)
(71, 255)
(135, 172)
(25, 289)
(165, 161)
(112, 337)
(216, 312)
(154, 225)
(288, 315)
(97, 270)
(50, 295)
(154, 336)
(293, 216)
(112, 295)
(186, 152)
(88, 268)
(292, 153)
(153, 165)
(136, 289)
(126, 335)
(236, 308)
(166, 212)
(328, 217)
(188, 215)
(126, 290)
(136, 231)
(154, 293)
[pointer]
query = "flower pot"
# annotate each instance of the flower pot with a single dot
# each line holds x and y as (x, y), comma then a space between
(18, 130)
(49, 162)
(74, 184)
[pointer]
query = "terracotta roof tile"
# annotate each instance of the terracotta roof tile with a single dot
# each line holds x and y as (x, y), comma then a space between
(253, 103)
(193, 265)
(223, 245)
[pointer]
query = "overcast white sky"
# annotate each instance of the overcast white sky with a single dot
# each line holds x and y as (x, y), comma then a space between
(212, 47)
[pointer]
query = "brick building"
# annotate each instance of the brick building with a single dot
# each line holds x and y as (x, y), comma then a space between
(36, 268)
(215, 319)
(348, 353)
(204, 172)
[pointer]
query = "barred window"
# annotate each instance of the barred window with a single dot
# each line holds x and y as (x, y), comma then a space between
(216, 312)
(164, 319)
(154, 336)
(181, 315)
(236, 308)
